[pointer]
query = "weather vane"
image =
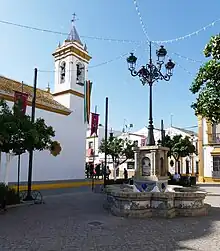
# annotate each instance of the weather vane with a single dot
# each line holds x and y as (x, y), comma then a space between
(74, 18)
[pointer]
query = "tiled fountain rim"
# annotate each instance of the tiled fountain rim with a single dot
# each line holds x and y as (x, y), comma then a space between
(122, 201)
(118, 191)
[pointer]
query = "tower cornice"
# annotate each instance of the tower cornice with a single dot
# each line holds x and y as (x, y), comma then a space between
(71, 48)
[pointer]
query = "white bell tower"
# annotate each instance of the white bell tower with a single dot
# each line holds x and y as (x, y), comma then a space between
(71, 66)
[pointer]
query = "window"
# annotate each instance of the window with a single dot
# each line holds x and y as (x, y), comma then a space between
(218, 128)
(216, 133)
(130, 165)
(197, 167)
(90, 145)
(216, 163)
(80, 73)
(136, 142)
(196, 147)
(62, 72)
(187, 166)
(143, 142)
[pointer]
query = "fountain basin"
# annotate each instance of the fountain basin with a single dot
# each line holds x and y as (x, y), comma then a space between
(122, 201)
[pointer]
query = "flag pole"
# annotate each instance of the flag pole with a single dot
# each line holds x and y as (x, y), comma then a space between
(94, 138)
(106, 137)
(31, 153)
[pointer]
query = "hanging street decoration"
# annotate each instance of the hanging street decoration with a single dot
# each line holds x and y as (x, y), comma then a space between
(94, 124)
(87, 100)
(55, 148)
(20, 102)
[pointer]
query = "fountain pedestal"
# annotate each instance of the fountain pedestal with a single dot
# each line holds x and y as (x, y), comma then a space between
(151, 167)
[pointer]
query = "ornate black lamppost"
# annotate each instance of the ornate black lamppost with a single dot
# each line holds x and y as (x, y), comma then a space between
(148, 75)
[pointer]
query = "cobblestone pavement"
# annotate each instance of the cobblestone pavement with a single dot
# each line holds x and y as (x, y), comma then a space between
(74, 222)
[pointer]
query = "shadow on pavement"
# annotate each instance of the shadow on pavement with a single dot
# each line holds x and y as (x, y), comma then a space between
(78, 221)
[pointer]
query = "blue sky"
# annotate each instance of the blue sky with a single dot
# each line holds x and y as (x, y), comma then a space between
(21, 50)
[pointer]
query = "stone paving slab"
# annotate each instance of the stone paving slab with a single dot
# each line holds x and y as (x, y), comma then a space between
(211, 190)
(78, 222)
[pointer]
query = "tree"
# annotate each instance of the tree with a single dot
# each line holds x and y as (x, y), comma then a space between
(18, 134)
(119, 149)
(207, 83)
(179, 147)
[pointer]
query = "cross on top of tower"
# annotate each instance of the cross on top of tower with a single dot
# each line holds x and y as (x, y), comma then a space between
(73, 18)
(73, 35)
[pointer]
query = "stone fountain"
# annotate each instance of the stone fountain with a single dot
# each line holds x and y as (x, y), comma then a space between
(151, 167)
(151, 196)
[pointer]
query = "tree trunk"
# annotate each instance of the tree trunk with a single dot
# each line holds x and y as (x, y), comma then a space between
(8, 159)
(181, 165)
(114, 171)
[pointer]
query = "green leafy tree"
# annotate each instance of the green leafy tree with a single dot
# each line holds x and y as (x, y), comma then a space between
(18, 134)
(179, 147)
(119, 149)
(207, 83)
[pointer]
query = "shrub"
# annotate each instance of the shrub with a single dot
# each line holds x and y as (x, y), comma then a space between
(9, 194)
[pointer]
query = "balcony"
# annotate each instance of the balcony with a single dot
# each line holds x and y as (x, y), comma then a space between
(214, 138)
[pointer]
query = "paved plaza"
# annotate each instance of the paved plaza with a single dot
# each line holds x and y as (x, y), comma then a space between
(77, 221)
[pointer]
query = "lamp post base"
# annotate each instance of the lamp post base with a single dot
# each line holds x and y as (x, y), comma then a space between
(150, 137)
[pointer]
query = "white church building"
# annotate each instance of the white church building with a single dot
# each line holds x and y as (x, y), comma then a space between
(62, 109)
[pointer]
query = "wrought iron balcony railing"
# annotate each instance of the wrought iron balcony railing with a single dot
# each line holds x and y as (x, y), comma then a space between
(214, 138)
(216, 174)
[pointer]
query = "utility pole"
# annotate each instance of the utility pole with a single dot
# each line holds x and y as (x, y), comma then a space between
(171, 120)
(162, 133)
(31, 153)
(106, 137)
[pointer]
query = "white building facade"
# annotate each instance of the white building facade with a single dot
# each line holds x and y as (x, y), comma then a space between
(63, 110)
(93, 143)
(186, 165)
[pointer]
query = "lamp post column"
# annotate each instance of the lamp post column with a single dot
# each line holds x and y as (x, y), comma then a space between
(150, 138)
(148, 75)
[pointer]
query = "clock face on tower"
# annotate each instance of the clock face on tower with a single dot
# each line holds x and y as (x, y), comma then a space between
(80, 73)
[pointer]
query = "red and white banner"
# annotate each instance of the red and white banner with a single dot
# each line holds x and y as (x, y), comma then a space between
(23, 99)
(94, 123)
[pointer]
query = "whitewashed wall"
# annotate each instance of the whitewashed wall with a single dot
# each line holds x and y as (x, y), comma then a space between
(71, 133)
(205, 130)
(208, 161)
(101, 135)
